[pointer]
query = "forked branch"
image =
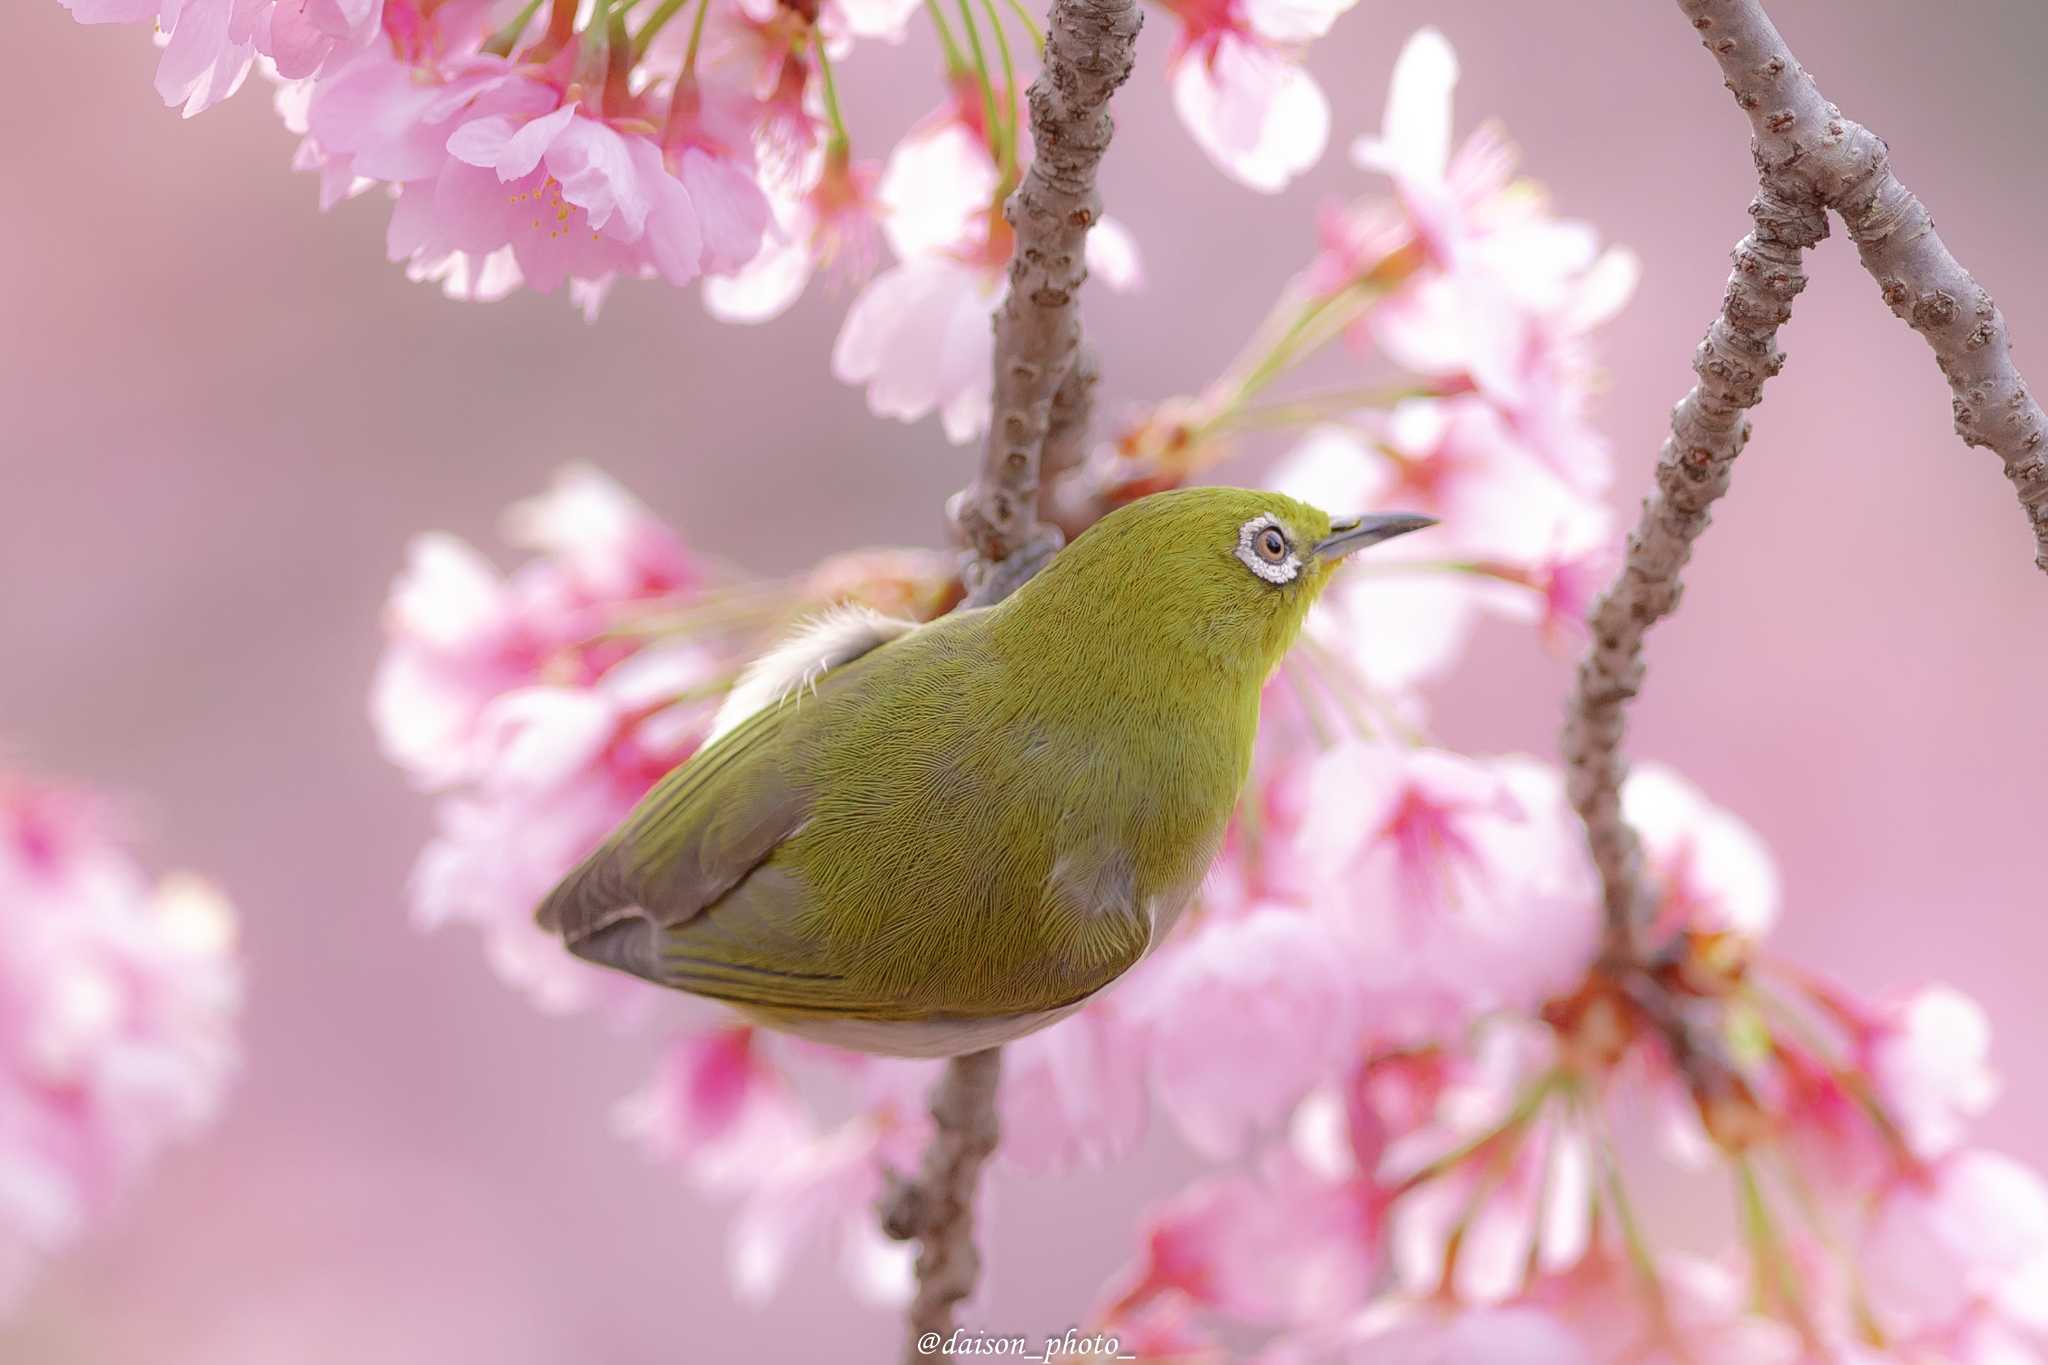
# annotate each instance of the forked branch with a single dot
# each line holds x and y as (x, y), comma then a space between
(1809, 159)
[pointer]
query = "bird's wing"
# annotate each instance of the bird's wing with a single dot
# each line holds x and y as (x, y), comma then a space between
(712, 821)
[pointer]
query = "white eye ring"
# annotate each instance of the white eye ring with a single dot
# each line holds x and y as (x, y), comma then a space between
(1274, 572)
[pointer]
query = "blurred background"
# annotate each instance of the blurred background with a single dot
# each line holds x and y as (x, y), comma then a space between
(222, 414)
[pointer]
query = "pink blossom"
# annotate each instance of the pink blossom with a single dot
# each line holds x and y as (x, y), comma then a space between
(575, 197)
(554, 769)
(460, 635)
(1442, 195)
(1244, 1017)
(1461, 886)
(1284, 1246)
(457, 639)
(917, 337)
(1927, 1057)
(603, 543)
(1075, 1093)
(118, 1000)
(1505, 294)
(1240, 90)
(717, 1107)
(1714, 873)
(1532, 546)
(1395, 629)
(303, 36)
(507, 694)
(1520, 1203)
(1968, 1232)
(824, 1190)
(832, 224)
(210, 45)
(1535, 368)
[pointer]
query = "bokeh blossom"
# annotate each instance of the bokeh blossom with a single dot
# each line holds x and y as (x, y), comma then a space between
(119, 998)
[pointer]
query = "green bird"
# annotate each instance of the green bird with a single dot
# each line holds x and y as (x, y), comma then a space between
(924, 840)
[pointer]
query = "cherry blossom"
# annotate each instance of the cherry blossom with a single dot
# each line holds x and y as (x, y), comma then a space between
(1713, 872)
(1968, 1232)
(1282, 1246)
(826, 1189)
(1243, 1018)
(1926, 1057)
(1456, 884)
(718, 1106)
(917, 337)
(119, 998)
(1522, 541)
(509, 695)
(832, 224)
(554, 770)
(1519, 1202)
(1240, 90)
(460, 635)
(1076, 1094)
(1501, 295)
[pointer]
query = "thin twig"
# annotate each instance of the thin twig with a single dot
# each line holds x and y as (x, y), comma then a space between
(1043, 390)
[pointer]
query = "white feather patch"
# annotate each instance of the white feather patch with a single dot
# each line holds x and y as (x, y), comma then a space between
(793, 667)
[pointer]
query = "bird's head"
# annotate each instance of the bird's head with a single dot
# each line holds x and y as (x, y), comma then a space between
(1229, 572)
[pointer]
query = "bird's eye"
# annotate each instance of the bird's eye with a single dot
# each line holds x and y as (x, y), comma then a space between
(1264, 547)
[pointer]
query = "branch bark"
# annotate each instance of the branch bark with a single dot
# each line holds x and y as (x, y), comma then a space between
(1809, 159)
(1089, 47)
(1709, 428)
(1803, 142)
(938, 1207)
(1043, 392)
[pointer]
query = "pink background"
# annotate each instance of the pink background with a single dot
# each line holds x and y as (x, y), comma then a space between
(224, 414)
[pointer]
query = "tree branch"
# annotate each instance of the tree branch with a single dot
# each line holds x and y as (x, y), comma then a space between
(1089, 48)
(1804, 142)
(1709, 427)
(1044, 382)
(938, 1207)
(1809, 159)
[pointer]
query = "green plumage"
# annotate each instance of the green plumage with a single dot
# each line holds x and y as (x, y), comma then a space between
(976, 824)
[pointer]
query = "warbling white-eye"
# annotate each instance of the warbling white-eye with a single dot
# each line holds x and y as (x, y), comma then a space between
(928, 839)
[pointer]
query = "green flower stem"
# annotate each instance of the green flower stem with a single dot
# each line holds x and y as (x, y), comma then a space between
(667, 10)
(1030, 25)
(955, 63)
(503, 41)
(1317, 407)
(1007, 161)
(990, 119)
(839, 141)
(1638, 1246)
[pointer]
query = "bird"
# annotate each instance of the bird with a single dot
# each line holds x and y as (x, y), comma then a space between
(923, 840)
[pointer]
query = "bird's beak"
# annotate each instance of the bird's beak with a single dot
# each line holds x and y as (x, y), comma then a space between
(1355, 533)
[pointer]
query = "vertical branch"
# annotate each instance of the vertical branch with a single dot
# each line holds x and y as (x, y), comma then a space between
(1709, 428)
(938, 1207)
(1088, 53)
(1038, 424)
